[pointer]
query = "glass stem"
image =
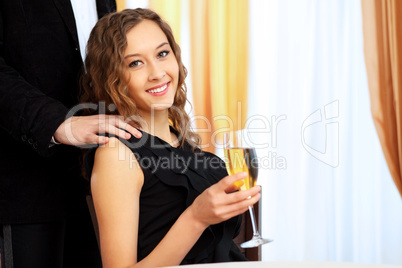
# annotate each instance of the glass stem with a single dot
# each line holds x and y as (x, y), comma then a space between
(253, 223)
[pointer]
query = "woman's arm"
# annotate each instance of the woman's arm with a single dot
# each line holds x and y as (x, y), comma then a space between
(116, 185)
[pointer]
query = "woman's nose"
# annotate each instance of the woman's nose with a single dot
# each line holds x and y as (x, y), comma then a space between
(156, 71)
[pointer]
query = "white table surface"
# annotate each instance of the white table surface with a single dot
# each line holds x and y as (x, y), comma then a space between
(289, 265)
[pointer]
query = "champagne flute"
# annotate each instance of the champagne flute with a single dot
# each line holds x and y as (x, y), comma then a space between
(240, 156)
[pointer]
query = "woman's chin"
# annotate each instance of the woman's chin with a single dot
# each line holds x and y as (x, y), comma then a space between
(161, 107)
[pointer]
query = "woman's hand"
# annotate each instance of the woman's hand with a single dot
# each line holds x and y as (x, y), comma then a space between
(218, 203)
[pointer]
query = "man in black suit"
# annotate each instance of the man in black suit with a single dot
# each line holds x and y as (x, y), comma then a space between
(43, 215)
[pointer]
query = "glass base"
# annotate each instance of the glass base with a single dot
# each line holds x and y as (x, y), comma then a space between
(255, 242)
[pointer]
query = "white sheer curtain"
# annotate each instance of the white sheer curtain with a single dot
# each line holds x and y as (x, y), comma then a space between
(327, 192)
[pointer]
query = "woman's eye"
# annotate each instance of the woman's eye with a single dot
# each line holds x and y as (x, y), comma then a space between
(163, 54)
(135, 63)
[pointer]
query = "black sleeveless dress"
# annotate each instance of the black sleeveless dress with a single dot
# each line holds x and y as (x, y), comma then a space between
(173, 178)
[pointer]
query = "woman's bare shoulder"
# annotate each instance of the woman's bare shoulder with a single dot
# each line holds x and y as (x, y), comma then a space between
(114, 160)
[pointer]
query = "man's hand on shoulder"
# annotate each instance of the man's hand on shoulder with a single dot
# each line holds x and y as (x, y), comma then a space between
(81, 130)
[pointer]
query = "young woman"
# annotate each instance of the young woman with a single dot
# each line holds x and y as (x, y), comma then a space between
(159, 200)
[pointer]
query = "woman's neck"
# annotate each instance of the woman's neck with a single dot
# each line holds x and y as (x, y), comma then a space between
(158, 125)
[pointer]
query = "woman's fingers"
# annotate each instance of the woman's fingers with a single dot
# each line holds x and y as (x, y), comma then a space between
(232, 203)
(214, 205)
(228, 182)
(228, 185)
(232, 188)
(242, 195)
(240, 207)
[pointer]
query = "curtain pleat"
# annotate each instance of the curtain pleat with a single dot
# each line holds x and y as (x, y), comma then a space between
(120, 5)
(382, 32)
(219, 64)
(170, 11)
(200, 70)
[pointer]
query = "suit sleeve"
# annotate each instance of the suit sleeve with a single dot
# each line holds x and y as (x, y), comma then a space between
(26, 114)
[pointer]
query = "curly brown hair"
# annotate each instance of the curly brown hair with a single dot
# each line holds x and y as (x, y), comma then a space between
(105, 78)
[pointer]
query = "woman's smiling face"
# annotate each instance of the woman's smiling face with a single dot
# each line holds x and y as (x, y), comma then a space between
(153, 68)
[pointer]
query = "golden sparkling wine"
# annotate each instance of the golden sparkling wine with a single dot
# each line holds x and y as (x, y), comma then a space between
(242, 160)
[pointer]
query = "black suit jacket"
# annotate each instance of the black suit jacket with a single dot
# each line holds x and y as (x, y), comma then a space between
(40, 66)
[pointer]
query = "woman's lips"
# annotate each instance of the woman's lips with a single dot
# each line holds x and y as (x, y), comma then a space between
(162, 90)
